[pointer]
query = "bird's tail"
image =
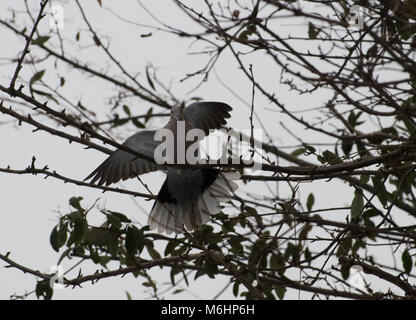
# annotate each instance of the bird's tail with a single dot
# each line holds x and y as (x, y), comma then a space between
(167, 215)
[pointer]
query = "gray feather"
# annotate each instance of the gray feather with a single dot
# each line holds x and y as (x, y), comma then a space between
(207, 115)
(124, 165)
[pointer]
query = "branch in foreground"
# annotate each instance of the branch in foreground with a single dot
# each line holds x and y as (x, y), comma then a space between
(34, 171)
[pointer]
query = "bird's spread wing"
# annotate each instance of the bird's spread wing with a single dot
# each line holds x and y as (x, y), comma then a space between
(124, 165)
(207, 115)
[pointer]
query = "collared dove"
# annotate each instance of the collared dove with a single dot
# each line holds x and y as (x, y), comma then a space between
(187, 196)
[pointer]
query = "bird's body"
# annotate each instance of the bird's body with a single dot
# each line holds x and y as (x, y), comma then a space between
(188, 196)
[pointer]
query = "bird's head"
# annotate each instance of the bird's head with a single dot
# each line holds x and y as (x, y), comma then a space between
(177, 113)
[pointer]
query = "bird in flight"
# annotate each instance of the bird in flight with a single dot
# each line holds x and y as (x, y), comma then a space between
(188, 196)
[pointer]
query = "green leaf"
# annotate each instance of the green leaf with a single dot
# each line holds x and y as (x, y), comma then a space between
(41, 40)
(345, 272)
(75, 216)
(147, 284)
(120, 216)
(357, 204)
(346, 146)
(307, 254)
(43, 289)
(359, 243)
(310, 201)
(170, 247)
(235, 288)
(243, 35)
(353, 118)
(251, 28)
(78, 233)
(98, 236)
(185, 277)
(321, 159)
(304, 232)
(372, 212)
(148, 115)
(127, 110)
(62, 234)
(104, 260)
(75, 203)
(292, 251)
(149, 79)
(409, 124)
(114, 222)
(117, 122)
(310, 149)
(407, 261)
(331, 157)
(128, 296)
(152, 252)
(257, 248)
(95, 257)
(64, 254)
(280, 291)
(276, 262)
(181, 250)
(372, 51)
(364, 178)
(54, 239)
(312, 31)
(404, 27)
(137, 123)
(79, 105)
(344, 247)
(227, 226)
(242, 220)
(298, 152)
(36, 77)
(382, 193)
(112, 244)
(134, 240)
(211, 268)
(173, 272)
(236, 246)
(251, 211)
